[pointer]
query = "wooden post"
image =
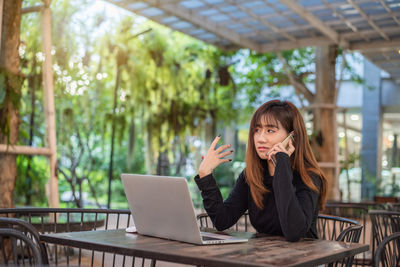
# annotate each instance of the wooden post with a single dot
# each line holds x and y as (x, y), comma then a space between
(346, 154)
(325, 121)
(49, 111)
(9, 68)
(1, 19)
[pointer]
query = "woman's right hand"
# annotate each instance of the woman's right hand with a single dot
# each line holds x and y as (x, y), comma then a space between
(214, 157)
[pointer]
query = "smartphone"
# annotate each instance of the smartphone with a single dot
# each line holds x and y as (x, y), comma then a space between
(285, 144)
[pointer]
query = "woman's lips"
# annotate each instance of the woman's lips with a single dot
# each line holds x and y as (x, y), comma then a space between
(262, 148)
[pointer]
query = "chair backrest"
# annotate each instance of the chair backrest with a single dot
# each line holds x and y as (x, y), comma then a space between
(18, 249)
(330, 227)
(56, 220)
(29, 231)
(388, 252)
(339, 229)
(384, 223)
(357, 212)
(242, 225)
(351, 234)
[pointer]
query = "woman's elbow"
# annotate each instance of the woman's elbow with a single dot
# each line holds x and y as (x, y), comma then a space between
(221, 224)
(292, 237)
(221, 228)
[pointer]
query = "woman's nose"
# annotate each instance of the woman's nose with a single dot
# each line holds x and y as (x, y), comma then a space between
(263, 136)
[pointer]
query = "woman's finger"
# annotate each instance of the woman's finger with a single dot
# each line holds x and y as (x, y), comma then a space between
(224, 154)
(222, 148)
(214, 143)
(281, 148)
(224, 160)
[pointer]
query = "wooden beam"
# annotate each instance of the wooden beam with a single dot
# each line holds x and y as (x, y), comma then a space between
(264, 21)
(283, 13)
(369, 20)
(389, 11)
(370, 33)
(377, 45)
(31, 9)
(331, 23)
(49, 110)
(332, 165)
(25, 150)
(322, 106)
(345, 21)
(201, 21)
(292, 20)
(286, 45)
(315, 21)
(252, 27)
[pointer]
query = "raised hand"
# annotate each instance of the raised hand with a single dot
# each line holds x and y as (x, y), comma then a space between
(279, 147)
(214, 157)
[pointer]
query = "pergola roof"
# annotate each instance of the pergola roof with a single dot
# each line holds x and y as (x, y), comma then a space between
(369, 26)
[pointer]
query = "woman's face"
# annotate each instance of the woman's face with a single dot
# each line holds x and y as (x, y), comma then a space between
(267, 135)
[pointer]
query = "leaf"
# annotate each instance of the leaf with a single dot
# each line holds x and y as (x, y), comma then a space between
(24, 134)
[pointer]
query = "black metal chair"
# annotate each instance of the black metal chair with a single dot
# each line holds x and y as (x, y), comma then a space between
(339, 229)
(359, 213)
(29, 231)
(354, 211)
(56, 220)
(331, 227)
(388, 252)
(384, 223)
(17, 249)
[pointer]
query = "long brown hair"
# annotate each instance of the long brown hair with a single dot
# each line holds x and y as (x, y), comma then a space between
(303, 160)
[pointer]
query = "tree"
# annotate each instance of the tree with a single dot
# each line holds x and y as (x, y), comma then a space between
(10, 86)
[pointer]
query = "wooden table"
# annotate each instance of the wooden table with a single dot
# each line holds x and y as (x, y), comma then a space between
(259, 251)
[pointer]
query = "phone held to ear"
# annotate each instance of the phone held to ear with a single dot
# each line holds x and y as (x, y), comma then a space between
(285, 144)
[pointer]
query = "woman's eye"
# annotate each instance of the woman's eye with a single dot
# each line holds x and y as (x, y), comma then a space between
(271, 131)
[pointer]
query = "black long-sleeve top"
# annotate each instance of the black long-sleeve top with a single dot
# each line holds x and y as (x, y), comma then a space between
(290, 208)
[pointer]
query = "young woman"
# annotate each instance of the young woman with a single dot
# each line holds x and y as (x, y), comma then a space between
(282, 186)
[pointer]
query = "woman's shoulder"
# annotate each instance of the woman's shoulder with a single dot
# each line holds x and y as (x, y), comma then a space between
(316, 179)
(242, 175)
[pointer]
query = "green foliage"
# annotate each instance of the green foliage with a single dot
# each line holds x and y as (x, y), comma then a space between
(169, 87)
(31, 180)
(166, 88)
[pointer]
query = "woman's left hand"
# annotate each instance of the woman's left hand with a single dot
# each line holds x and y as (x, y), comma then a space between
(279, 148)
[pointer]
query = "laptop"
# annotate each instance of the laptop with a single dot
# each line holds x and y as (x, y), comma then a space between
(161, 206)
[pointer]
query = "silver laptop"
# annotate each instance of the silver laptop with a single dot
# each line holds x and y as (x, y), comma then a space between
(161, 206)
